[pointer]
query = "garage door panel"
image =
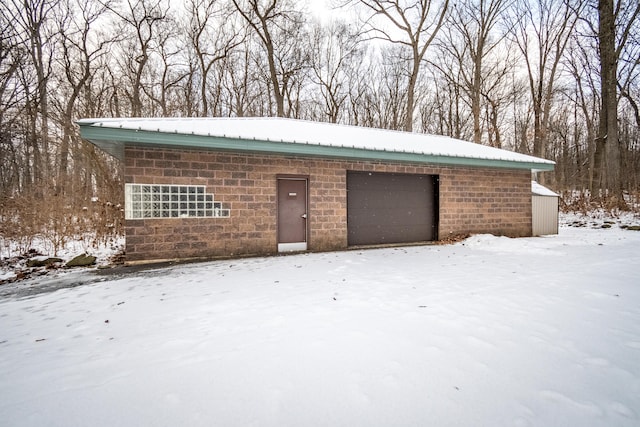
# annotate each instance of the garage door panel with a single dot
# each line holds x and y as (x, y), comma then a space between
(390, 208)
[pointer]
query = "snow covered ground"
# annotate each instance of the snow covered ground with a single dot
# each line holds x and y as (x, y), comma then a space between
(487, 332)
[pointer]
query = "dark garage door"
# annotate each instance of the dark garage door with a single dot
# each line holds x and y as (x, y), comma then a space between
(391, 208)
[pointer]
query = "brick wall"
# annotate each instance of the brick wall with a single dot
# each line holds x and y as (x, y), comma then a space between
(472, 200)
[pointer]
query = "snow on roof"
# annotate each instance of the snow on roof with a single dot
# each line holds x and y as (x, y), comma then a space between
(317, 133)
(541, 190)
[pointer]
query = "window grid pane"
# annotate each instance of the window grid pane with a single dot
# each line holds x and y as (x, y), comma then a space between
(171, 201)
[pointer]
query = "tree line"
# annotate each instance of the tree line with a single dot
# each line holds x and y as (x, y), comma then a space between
(553, 78)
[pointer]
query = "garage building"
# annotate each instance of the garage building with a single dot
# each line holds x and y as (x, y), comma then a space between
(215, 187)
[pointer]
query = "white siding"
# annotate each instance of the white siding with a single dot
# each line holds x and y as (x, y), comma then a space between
(544, 215)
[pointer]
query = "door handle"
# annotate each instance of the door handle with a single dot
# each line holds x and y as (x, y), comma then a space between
(304, 216)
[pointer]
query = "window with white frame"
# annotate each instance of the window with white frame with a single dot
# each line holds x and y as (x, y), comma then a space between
(170, 201)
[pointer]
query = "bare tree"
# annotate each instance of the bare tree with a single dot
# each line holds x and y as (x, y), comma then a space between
(444, 112)
(30, 19)
(542, 30)
(11, 101)
(359, 87)
(471, 38)
(240, 82)
(78, 54)
(213, 36)
(334, 48)
(586, 98)
(614, 30)
(139, 19)
(392, 91)
(412, 25)
(165, 70)
(280, 29)
(628, 22)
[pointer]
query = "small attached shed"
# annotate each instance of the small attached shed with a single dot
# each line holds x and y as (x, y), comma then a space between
(544, 210)
(215, 187)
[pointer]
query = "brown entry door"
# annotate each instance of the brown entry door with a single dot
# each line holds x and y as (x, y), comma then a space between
(292, 214)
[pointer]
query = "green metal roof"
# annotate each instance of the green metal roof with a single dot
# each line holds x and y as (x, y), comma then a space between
(112, 135)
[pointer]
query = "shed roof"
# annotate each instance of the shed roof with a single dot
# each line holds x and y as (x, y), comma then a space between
(541, 190)
(298, 137)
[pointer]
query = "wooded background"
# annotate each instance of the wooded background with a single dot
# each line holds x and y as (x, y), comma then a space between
(553, 78)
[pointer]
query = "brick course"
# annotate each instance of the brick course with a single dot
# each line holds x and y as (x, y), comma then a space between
(471, 200)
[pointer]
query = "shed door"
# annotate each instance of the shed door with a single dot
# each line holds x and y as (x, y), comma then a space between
(292, 214)
(391, 208)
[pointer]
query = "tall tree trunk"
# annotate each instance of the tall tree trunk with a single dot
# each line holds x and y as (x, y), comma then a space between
(411, 89)
(273, 72)
(608, 128)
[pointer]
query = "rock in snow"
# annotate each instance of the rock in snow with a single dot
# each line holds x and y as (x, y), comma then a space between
(83, 260)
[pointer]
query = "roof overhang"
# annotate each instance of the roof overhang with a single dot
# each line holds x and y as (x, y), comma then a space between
(113, 140)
